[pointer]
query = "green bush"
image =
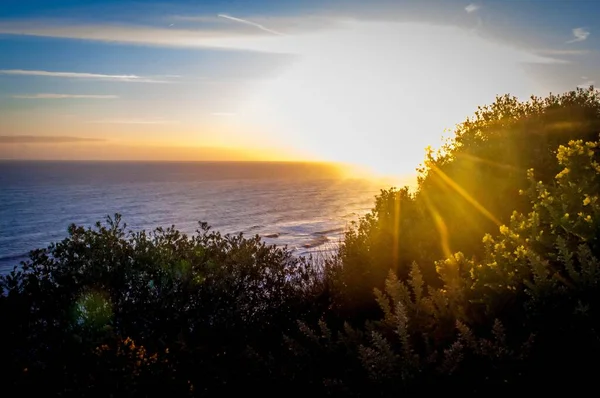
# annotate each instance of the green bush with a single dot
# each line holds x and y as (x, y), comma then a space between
(510, 307)
(204, 298)
(473, 182)
(524, 314)
(466, 189)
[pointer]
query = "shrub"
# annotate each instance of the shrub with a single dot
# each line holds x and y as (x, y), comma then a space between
(466, 189)
(111, 312)
(206, 298)
(524, 314)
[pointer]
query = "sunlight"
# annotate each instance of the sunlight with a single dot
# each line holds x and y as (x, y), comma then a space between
(377, 94)
(441, 227)
(397, 231)
(462, 192)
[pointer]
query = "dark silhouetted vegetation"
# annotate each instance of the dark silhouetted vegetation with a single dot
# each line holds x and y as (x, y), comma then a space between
(486, 280)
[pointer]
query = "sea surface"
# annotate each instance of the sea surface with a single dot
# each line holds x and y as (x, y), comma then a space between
(304, 206)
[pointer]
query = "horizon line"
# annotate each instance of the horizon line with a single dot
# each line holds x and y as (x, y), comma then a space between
(168, 161)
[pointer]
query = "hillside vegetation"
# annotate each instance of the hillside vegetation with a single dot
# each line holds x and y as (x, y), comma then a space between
(486, 280)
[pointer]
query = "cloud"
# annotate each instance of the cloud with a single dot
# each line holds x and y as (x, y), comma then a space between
(131, 34)
(472, 8)
(579, 34)
(79, 75)
(65, 96)
(563, 52)
(307, 34)
(47, 139)
(245, 21)
(134, 121)
(66, 74)
(199, 32)
(292, 24)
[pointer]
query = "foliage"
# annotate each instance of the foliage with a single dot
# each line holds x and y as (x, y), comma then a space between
(526, 312)
(205, 298)
(398, 310)
(466, 189)
(474, 180)
(388, 238)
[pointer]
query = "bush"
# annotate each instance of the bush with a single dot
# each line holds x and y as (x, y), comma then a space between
(467, 189)
(473, 182)
(108, 312)
(524, 314)
(204, 299)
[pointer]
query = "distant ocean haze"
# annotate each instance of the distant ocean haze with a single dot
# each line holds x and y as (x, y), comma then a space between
(305, 206)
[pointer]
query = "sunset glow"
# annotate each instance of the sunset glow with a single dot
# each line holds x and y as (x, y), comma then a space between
(366, 93)
(308, 198)
(370, 89)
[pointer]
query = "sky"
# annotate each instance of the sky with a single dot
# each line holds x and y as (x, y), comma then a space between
(365, 82)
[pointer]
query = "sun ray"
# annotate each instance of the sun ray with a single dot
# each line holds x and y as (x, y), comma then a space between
(436, 170)
(396, 236)
(440, 225)
(489, 162)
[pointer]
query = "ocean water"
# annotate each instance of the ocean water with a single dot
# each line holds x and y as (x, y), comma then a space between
(304, 206)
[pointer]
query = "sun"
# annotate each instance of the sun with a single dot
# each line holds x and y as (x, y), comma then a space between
(377, 94)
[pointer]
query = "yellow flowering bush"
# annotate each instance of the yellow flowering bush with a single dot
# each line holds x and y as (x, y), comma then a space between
(525, 311)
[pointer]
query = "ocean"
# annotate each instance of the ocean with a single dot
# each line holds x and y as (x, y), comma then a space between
(304, 206)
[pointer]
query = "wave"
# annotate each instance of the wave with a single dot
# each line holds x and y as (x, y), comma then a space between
(328, 231)
(318, 241)
(8, 261)
(321, 251)
(275, 235)
(285, 212)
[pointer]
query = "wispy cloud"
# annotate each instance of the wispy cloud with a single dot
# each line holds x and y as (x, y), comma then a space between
(223, 113)
(64, 96)
(579, 34)
(66, 74)
(134, 121)
(47, 139)
(292, 24)
(472, 7)
(247, 22)
(79, 75)
(304, 37)
(563, 52)
(219, 33)
(133, 34)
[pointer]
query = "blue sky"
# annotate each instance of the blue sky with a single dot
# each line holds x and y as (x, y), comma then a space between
(287, 79)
